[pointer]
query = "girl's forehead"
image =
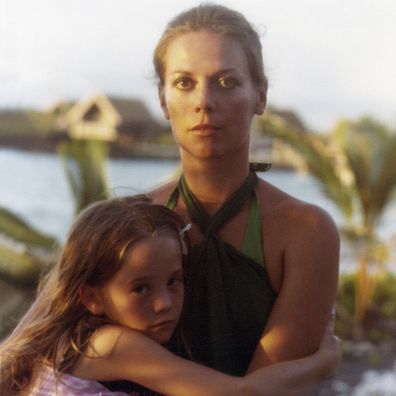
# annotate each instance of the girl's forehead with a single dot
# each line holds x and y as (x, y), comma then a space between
(161, 252)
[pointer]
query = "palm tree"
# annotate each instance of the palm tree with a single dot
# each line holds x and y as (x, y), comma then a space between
(26, 252)
(84, 162)
(355, 168)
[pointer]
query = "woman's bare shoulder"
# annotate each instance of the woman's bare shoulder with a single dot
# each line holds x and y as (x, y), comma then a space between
(290, 212)
(161, 194)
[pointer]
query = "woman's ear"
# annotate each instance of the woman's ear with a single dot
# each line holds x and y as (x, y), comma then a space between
(92, 300)
(161, 95)
(261, 100)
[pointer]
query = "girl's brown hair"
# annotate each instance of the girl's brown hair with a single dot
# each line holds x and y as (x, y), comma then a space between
(218, 19)
(58, 326)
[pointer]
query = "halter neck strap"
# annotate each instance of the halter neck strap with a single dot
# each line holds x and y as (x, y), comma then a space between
(210, 225)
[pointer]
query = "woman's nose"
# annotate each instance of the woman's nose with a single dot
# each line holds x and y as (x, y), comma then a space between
(162, 302)
(205, 100)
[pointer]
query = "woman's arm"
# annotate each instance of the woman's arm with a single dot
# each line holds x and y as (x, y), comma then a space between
(298, 376)
(119, 353)
(309, 254)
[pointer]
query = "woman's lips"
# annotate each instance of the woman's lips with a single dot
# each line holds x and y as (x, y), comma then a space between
(204, 129)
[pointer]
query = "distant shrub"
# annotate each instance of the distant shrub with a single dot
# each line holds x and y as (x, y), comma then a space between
(379, 324)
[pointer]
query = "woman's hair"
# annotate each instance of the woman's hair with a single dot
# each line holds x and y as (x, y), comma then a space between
(217, 19)
(58, 326)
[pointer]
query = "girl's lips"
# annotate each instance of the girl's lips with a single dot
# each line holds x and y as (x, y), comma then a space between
(160, 325)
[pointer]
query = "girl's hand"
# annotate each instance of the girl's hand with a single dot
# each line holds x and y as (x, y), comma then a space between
(330, 349)
(295, 377)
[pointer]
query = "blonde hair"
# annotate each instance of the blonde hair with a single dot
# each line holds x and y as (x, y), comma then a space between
(57, 327)
(218, 19)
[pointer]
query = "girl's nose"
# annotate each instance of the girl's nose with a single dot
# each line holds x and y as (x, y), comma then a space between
(162, 302)
(205, 100)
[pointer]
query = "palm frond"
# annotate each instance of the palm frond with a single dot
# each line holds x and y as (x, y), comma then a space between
(320, 164)
(14, 227)
(19, 266)
(370, 151)
(386, 179)
(84, 162)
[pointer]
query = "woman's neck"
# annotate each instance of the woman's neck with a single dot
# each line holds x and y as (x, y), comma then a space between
(214, 181)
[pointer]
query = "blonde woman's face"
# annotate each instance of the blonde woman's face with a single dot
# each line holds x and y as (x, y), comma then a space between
(147, 293)
(208, 94)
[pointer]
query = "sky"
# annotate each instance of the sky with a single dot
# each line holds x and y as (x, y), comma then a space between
(325, 59)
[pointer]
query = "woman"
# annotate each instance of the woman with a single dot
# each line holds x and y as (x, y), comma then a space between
(265, 264)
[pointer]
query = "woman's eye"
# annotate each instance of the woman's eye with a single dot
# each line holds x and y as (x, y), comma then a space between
(140, 289)
(183, 83)
(228, 82)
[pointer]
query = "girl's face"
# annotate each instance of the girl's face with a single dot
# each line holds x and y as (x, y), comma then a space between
(146, 294)
(209, 95)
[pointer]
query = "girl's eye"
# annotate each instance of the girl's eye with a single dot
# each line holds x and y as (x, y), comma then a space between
(228, 82)
(173, 282)
(140, 289)
(184, 83)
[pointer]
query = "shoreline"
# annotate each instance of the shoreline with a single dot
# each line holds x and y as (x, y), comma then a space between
(144, 151)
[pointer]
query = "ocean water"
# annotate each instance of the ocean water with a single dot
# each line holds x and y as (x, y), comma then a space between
(34, 186)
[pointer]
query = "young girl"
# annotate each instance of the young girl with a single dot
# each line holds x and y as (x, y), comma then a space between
(110, 306)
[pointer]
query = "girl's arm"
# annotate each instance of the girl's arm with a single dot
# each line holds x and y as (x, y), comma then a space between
(118, 353)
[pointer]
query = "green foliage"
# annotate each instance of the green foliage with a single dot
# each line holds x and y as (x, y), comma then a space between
(44, 122)
(370, 152)
(20, 267)
(355, 168)
(385, 296)
(24, 250)
(166, 137)
(16, 123)
(16, 228)
(379, 325)
(318, 159)
(84, 162)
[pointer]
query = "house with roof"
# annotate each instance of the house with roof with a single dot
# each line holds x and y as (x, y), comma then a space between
(125, 123)
(112, 119)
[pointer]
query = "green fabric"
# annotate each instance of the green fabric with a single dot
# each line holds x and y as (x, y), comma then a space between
(253, 245)
(229, 296)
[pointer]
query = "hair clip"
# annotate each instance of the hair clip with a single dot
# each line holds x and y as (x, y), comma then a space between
(182, 241)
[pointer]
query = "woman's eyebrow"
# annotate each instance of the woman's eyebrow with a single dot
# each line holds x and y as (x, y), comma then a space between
(185, 72)
(215, 74)
(227, 70)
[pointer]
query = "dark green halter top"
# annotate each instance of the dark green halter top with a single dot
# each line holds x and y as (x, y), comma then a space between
(229, 297)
